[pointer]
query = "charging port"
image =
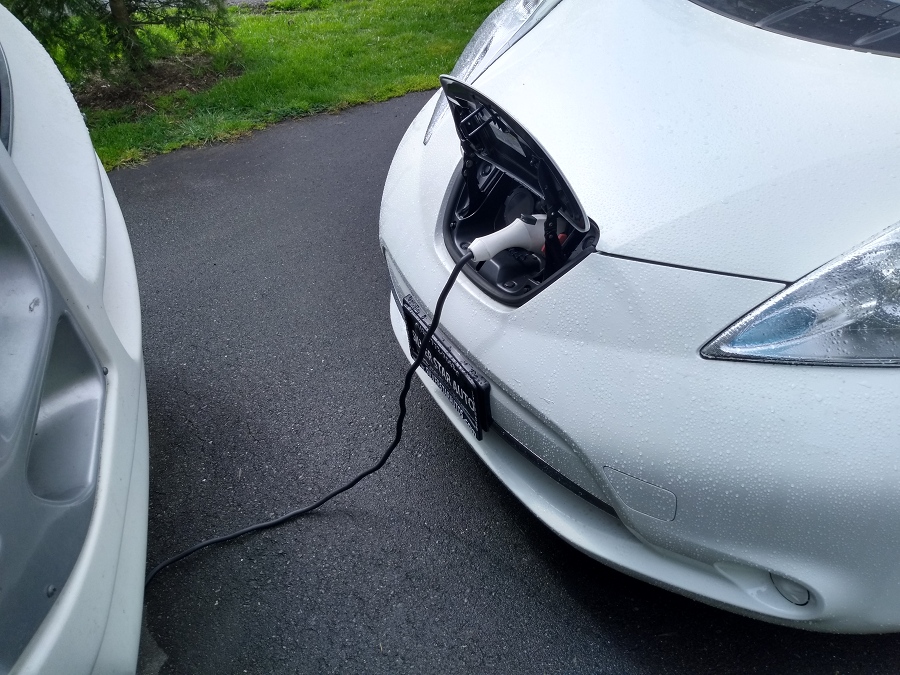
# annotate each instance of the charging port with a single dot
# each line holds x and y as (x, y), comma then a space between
(515, 274)
(505, 175)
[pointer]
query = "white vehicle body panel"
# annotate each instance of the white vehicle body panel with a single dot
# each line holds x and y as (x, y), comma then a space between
(772, 468)
(705, 142)
(53, 152)
(57, 193)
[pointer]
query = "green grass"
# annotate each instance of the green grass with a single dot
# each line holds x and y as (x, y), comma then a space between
(310, 56)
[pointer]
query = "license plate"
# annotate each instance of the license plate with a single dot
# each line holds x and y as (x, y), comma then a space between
(464, 387)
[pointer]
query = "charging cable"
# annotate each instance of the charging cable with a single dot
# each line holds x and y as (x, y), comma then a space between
(438, 308)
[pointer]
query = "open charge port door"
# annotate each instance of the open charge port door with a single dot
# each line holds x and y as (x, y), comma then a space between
(506, 174)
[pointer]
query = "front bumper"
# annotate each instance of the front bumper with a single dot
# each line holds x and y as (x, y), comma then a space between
(75, 473)
(94, 624)
(732, 471)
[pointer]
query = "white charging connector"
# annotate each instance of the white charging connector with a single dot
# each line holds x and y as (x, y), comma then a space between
(525, 232)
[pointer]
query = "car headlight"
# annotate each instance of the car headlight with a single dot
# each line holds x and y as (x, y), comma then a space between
(845, 313)
(501, 30)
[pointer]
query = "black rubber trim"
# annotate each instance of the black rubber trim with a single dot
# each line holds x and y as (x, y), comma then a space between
(6, 103)
(693, 269)
(517, 445)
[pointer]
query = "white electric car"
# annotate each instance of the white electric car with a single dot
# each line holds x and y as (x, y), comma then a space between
(691, 375)
(73, 407)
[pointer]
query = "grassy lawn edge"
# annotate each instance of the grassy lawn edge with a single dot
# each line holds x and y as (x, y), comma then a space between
(295, 64)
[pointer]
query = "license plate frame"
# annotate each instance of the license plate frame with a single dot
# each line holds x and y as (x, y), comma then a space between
(467, 390)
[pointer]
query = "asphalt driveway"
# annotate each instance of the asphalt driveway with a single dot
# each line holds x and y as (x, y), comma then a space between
(273, 374)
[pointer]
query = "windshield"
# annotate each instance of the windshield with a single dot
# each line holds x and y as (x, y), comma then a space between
(865, 25)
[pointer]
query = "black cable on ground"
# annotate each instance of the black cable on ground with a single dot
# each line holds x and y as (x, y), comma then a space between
(438, 308)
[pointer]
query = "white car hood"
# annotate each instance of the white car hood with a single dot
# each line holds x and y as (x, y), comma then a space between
(696, 140)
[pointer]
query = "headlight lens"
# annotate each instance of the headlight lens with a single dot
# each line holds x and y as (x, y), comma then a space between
(501, 30)
(845, 313)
